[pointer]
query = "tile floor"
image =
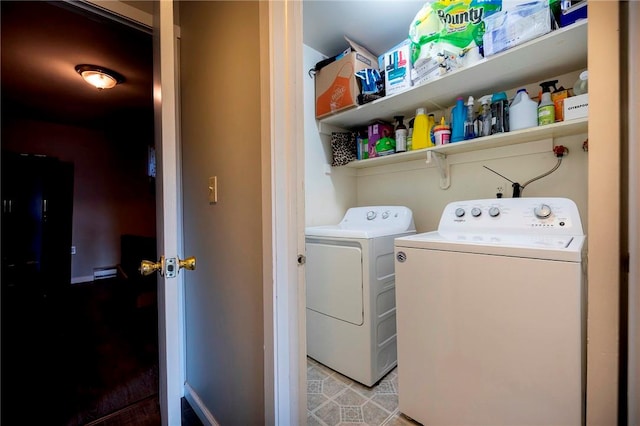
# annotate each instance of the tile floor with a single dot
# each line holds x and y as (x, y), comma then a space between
(336, 400)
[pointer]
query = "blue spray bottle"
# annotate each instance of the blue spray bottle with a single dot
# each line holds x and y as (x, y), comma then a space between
(458, 117)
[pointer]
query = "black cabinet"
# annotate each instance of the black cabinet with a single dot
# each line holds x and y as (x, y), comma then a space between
(37, 209)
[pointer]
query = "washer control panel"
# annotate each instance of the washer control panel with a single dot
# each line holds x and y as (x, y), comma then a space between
(377, 216)
(549, 216)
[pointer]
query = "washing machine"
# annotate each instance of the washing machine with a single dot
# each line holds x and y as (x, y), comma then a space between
(350, 280)
(491, 315)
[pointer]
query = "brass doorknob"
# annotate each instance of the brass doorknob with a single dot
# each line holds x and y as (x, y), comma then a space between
(188, 263)
(148, 267)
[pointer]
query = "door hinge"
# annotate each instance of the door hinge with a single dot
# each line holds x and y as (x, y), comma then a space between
(302, 259)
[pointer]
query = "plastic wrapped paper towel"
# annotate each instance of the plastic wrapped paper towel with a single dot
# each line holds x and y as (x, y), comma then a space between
(450, 30)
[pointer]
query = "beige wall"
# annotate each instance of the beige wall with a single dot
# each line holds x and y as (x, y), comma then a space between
(221, 136)
(112, 194)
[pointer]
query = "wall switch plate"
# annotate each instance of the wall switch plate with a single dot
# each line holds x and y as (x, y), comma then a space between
(213, 189)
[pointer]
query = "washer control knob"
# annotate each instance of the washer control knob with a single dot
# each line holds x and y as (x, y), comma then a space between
(542, 211)
(459, 212)
(494, 212)
(386, 214)
(371, 215)
(476, 212)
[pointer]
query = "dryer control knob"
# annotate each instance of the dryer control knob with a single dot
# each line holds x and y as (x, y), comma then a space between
(386, 214)
(459, 212)
(494, 212)
(371, 215)
(476, 212)
(542, 211)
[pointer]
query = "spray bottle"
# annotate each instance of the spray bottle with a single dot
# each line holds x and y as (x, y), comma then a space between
(499, 113)
(401, 134)
(458, 116)
(484, 128)
(469, 130)
(546, 107)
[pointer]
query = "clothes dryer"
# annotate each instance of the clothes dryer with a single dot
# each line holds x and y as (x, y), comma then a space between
(350, 280)
(491, 315)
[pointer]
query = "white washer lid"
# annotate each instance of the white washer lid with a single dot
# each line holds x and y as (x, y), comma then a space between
(562, 248)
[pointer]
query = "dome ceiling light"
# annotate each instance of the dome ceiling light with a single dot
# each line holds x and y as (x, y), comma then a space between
(99, 77)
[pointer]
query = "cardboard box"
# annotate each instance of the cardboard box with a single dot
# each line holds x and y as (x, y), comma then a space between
(337, 87)
(576, 11)
(576, 107)
(397, 66)
(558, 102)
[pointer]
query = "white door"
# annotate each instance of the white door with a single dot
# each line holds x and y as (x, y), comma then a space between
(167, 190)
(170, 339)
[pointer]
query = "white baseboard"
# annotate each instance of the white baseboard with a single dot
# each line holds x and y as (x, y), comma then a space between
(85, 279)
(198, 406)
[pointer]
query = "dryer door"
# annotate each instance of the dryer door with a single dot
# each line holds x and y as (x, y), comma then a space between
(334, 280)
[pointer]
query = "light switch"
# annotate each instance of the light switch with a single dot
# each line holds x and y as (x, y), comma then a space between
(213, 189)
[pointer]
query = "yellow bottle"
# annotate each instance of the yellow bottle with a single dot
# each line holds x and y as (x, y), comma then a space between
(421, 137)
(431, 121)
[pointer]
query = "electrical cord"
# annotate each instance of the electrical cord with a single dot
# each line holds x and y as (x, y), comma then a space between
(560, 151)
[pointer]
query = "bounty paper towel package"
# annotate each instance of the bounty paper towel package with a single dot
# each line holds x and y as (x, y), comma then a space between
(449, 32)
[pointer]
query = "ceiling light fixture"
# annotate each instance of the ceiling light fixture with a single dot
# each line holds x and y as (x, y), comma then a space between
(99, 77)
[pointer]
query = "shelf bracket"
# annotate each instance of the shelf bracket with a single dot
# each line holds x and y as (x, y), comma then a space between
(440, 160)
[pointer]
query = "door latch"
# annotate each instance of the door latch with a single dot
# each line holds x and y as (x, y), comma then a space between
(302, 259)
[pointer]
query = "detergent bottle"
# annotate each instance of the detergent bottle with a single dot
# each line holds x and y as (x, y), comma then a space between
(458, 116)
(469, 128)
(431, 122)
(523, 111)
(420, 132)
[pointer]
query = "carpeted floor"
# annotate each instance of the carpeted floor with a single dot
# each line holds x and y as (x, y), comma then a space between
(75, 356)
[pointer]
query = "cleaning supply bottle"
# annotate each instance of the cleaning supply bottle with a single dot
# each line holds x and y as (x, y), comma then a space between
(410, 135)
(523, 111)
(499, 113)
(546, 108)
(401, 134)
(442, 133)
(420, 131)
(458, 116)
(469, 129)
(431, 122)
(485, 116)
(581, 86)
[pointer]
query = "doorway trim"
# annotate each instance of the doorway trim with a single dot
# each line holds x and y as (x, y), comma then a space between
(284, 162)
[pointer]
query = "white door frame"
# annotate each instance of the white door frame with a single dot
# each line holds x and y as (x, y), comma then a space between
(286, 302)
